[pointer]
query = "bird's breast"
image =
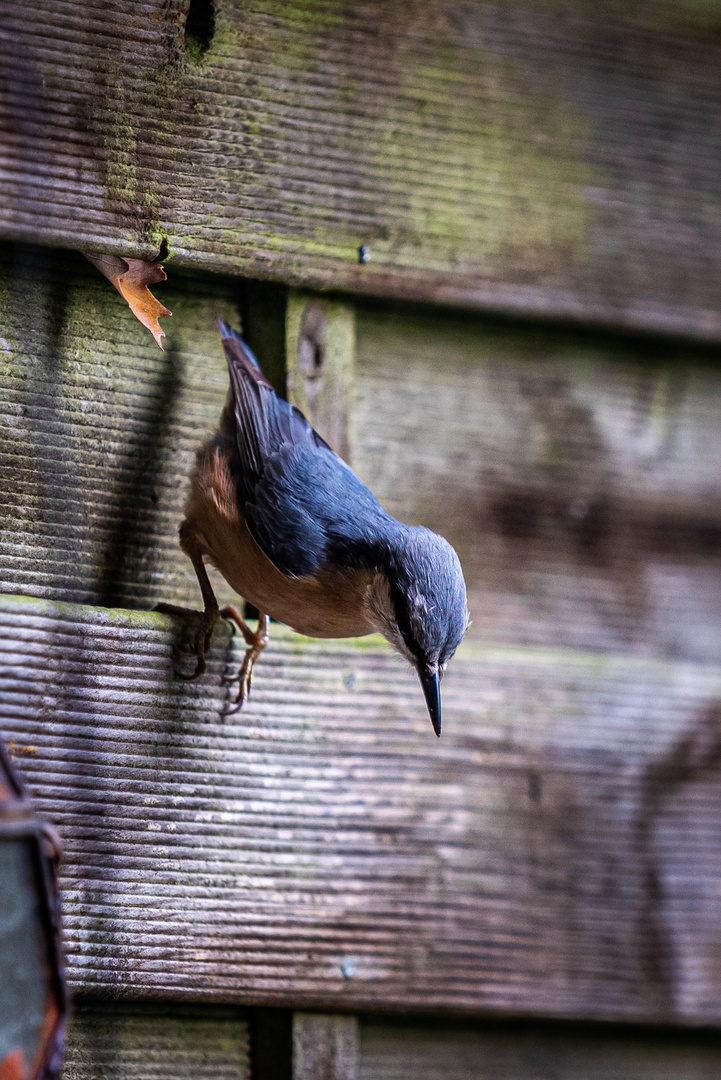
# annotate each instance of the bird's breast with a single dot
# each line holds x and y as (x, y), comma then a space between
(333, 603)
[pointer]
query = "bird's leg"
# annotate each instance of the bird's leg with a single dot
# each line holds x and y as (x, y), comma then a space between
(206, 619)
(256, 642)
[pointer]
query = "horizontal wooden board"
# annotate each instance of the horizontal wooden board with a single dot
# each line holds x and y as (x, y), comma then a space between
(551, 157)
(433, 1051)
(98, 429)
(557, 852)
(578, 475)
(128, 1041)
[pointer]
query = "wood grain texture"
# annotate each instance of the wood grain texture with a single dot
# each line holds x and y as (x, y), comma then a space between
(557, 852)
(578, 475)
(98, 429)
(433, 1051)
(128, 1041)
(325, 1047)
(557, 158)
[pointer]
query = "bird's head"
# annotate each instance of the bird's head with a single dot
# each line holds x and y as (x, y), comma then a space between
(420, 602)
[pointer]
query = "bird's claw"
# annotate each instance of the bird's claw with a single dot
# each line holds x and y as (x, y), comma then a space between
(256, 642)
(204, 639)
(186, 653)
(245, 680)
(203, 636)
(200, 669)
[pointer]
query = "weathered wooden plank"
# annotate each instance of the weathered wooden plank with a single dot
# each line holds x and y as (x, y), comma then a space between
(407, 1050)
(325, 1047)
(556, 158)
(578, 476)
(98, 429)
(128, 1041)
(557, 852)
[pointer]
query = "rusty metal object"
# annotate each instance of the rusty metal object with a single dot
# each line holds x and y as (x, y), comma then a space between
(33, 997)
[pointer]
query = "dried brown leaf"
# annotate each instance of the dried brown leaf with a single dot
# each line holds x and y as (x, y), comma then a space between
(131, 278)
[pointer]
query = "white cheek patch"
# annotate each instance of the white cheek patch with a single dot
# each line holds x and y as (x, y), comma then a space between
(384, 616)
(392, 635)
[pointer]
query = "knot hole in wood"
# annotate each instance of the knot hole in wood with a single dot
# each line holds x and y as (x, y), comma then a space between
(312, 347)
(199, 28)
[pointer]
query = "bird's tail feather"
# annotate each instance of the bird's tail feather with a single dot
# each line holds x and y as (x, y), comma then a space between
(228, 333)
(254, 399)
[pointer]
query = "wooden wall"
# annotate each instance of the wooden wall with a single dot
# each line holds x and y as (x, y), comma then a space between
(558, 157)
(255, 895)
(320, 848)
(555, 854)
(130, 1041)
(578, 475)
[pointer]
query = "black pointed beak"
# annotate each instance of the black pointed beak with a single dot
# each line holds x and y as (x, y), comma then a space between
(431, 684)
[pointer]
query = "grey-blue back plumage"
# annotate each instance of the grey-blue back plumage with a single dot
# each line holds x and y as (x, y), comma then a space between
(304, 506)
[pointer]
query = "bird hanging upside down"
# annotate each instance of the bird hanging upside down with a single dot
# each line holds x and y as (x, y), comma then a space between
(294, 531)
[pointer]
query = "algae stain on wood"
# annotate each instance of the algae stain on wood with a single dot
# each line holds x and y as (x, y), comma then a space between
(309, 16)
(481, 159)
(136, 122)
(122, 146)
(503, 188)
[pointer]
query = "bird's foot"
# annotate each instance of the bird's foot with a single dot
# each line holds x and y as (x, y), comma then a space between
(203, 635)
(256, 642)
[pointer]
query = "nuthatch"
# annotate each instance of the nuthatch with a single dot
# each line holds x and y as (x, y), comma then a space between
(294, 531)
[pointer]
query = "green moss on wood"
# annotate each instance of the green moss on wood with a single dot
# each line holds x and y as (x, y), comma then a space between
(491, 157)
(121, 145)
(504, 165)
(528, 657)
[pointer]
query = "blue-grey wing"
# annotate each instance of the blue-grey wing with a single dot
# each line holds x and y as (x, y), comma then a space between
(302, 503)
